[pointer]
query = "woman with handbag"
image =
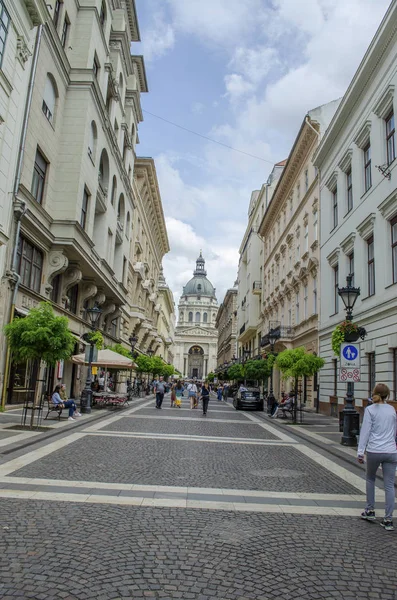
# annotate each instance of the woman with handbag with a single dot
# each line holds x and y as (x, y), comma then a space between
(205, 397)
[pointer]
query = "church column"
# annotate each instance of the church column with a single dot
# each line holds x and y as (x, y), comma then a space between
(184, 367)
(206, 367)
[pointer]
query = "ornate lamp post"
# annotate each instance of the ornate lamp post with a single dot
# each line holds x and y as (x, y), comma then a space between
(349, 295)
(273, 336)
(86, 395)
(246, 355)
(133, 341)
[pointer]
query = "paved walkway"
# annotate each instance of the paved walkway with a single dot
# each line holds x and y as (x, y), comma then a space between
(171, 504)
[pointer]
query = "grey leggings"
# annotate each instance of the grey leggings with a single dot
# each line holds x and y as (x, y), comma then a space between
(389, 464)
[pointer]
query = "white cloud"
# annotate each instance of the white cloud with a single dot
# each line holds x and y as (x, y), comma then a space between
(237, 86)
(197, 108)
(256, 62)
(160, 37)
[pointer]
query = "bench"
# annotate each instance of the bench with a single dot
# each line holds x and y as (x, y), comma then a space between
(53, 408)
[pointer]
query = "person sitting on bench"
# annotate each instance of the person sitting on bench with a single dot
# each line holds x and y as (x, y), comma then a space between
(57, 401)
(284, 406)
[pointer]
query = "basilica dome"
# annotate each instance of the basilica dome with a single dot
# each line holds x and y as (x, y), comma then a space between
(199, 285)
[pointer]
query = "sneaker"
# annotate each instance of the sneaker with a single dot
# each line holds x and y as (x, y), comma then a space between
(77, 414)
(70, 419)
(387, 524)
(368, 515)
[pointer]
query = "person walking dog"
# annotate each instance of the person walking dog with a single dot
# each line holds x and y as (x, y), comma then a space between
(378, 439)
(205, 397)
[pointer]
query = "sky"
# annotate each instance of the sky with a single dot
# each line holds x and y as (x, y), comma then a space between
(244, 73)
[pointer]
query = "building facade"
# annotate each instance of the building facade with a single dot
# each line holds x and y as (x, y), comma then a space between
(19, 21)
(166, 322)
(250, 271)
(357, 160)
(290, 230)
(226, 324)
(196, 337)
(87, 213)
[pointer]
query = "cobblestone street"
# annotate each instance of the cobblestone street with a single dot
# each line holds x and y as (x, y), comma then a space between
(170, 504)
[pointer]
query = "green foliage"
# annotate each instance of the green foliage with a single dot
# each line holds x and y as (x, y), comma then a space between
(40, 336)
(338, 334)
(210, 377)
(144, 364)
(259, 369)
(298, 362)
(96, 338)
(157, 365)
(120, 350)
(236, 372)
(168, 370)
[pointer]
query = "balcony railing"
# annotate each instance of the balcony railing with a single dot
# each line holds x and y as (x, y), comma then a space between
(280, 332)
(257, 287)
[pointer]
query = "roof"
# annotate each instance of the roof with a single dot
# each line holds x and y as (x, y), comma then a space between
(199, 286)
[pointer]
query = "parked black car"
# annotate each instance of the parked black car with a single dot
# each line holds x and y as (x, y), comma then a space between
(248, 398)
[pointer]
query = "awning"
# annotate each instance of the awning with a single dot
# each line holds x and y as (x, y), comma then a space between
(79, 339)
(107, 358)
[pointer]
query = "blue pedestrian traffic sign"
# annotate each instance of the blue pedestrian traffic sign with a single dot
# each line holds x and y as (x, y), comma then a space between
(350, 356)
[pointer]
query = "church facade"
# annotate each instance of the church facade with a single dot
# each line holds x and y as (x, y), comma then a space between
(196, 337)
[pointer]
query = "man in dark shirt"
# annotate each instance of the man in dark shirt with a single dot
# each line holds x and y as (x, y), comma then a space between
(159, 390)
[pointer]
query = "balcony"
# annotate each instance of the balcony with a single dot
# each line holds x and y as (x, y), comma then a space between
(281, 332)
(242, 329)
(257, 288)
(101, 199)
(119, 232)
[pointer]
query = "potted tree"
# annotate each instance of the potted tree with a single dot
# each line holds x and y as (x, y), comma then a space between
(40, 336)
(296, 363)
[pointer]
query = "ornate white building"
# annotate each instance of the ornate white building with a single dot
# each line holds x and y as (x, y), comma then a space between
(196, 338)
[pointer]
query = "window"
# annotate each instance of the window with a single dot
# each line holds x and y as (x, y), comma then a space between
(297, 309)
(393, 225)
(305, 302)
(205, 318)
(128, 226)
(371, 372)
(56, 286)
(49, 99)
(84, 208)
(349, 185)
(113, 327)
(306, 238)
(314, 295)
(371, 266)
(72, 295)
(315, 225)
(290, 314)
(190, 317)
(181, 316)
(197, 317)
(65, 31)
(110, 248)
(306, 180)
(102, 14)
(124, 270)
(4, 24)
(390, 138)
(39, 174)
(367, 167)
(29, 264)
(57, 11)
(93, 139)
(298, 191)
(350, 259)
(114, 191)
(96, 66)
(336, 286)
(335, 208)
(291, 206)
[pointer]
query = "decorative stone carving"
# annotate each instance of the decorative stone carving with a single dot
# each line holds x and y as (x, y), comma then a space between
(23, 51)
(88, 290)
(57, 263)
(107, 310)
(72, 276)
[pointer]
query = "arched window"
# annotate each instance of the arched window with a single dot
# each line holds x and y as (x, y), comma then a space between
(103, 174)
(121, 88)
(114, 190)
(49, 98)
(190, 317)
(93, 139)
(197, 317)
(121, 211)
(127, 226)
(102, 14)
(205, 318)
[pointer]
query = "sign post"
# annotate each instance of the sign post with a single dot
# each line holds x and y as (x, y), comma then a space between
(349, 372)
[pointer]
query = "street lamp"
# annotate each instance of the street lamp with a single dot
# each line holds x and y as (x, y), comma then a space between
(150, 352)
(133, 341)
(246, 355)
(349, 295)
(272, 336)
(86, 396)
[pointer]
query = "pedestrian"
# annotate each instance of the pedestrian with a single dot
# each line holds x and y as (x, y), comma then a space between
(192, 394)
(219, 393)
(63, 393)
(101, 381)
(178, 394)
(205, 397)
(378, 439)
(57, 401)
(159, 390)
(173, 395)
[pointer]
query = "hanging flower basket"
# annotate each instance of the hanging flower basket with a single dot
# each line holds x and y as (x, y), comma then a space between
(347, 331)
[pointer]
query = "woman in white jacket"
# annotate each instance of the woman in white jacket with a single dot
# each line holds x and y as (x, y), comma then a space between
(378, 438)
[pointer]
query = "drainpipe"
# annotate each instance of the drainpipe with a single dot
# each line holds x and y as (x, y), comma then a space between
(14, 276)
